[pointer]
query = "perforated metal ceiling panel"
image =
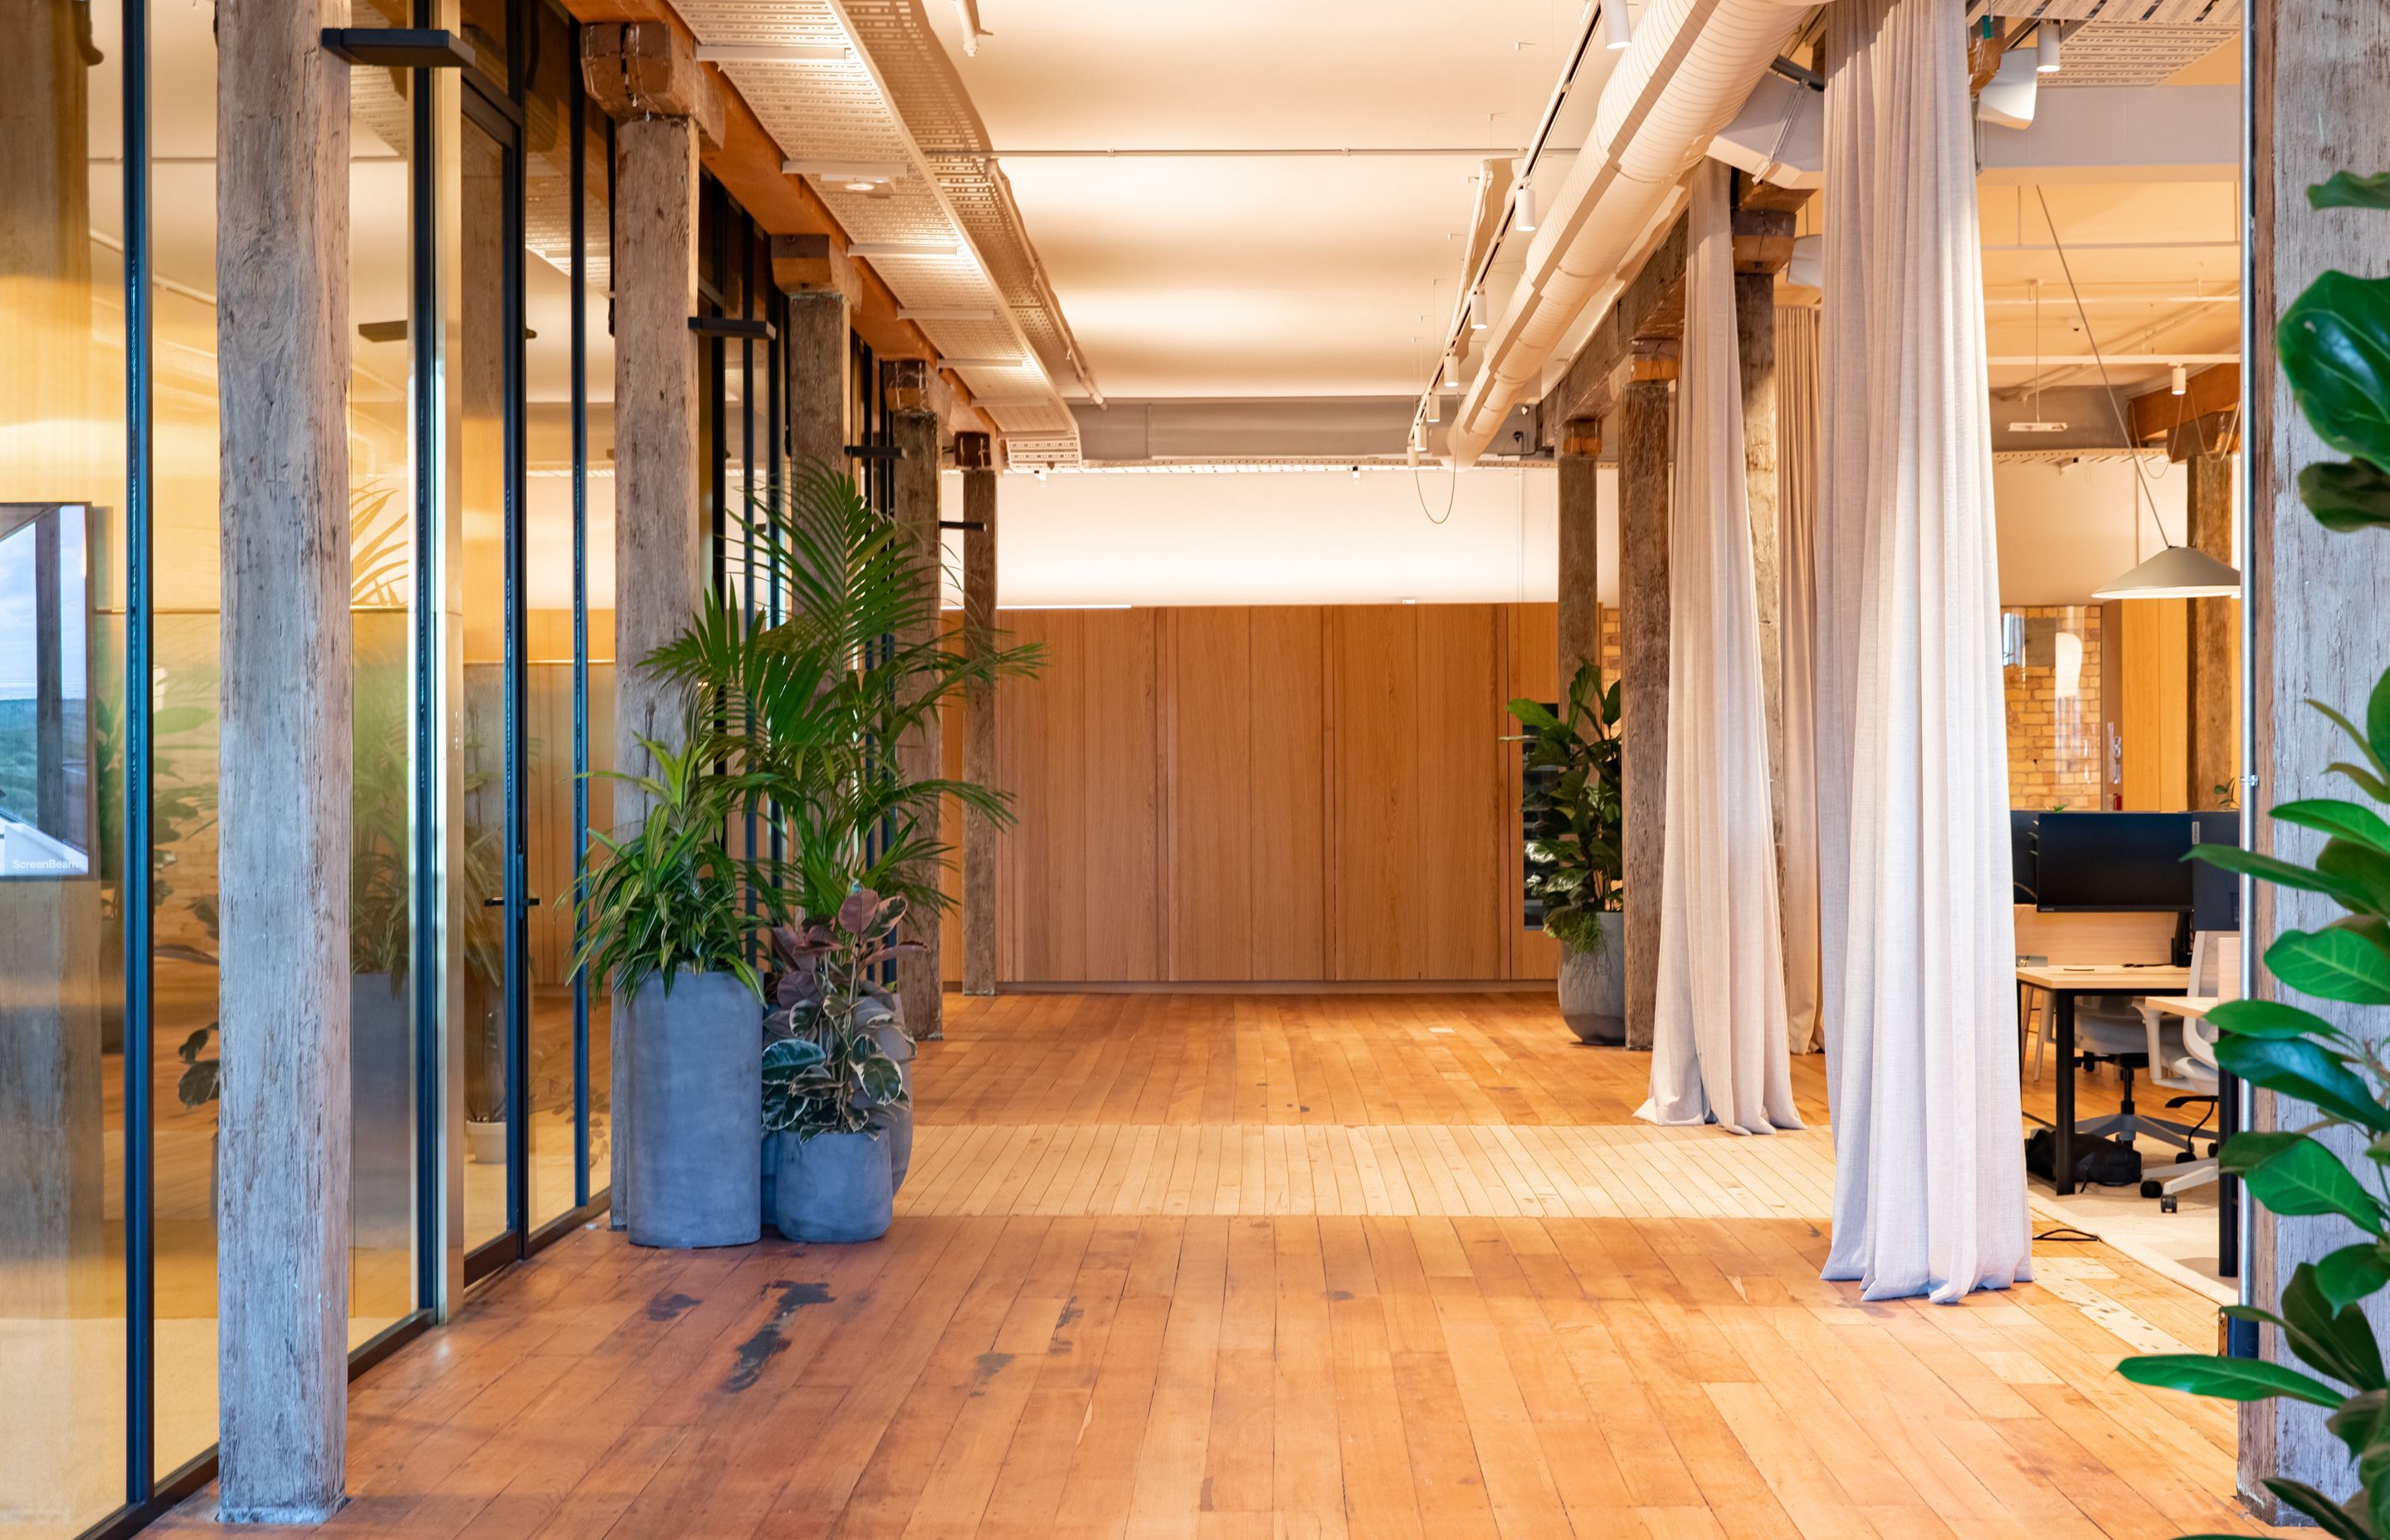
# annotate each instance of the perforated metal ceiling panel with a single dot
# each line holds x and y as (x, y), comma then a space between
(940, 228)
(2125, 42)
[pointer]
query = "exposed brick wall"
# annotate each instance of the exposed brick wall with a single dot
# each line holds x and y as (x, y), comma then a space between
(2054, 723)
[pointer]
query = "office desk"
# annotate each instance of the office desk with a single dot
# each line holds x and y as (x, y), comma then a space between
(2062, 983)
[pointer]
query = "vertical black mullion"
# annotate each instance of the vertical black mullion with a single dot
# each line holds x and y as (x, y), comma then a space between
(133, 859)
(747, 310)
(577, 188)
(775, 424)
(517, 993)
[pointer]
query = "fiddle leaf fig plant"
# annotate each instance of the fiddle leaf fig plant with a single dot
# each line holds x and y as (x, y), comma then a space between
(2334, 345)
(1573, 806)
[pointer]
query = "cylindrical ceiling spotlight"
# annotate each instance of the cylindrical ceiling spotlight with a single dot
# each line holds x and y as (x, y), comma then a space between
(1523, 208)
(1477, 308)
(1617, 29)
(2048, 43)
(2180, 384)
(1435, 407)
(1452, 367)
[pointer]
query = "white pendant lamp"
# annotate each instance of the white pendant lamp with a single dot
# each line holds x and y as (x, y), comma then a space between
(2176, 573)
(1522, 209)
(2048, 45)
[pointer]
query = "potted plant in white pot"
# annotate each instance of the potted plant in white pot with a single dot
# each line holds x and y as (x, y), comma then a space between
(831, 1091)
(1572, 803)
(663, 919)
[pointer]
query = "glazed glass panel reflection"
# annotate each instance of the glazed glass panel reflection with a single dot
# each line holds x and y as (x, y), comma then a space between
(184, 687)
(547, 612)
(477, 1038)
(597, 535)
(63, 497)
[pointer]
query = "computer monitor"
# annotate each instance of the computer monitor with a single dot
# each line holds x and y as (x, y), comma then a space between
(2022, 831)
(2215, 893)
(2114, 862)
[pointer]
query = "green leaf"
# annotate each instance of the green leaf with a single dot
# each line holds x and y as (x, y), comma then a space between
(2267, 869)
(2271, 1018)
(2348, 190)
(2345, 496)
(2339, 820)
(2373, 786)
(2377, 721)
(2359, 871)
(2338, 1341)
(2228, 1378)
(2332, 965)
(1535, 716)
(2364, 744)
(2297, 1175)
(2298, 1068)
(2327, 1515)
(2335, 345)
(2351, 1273)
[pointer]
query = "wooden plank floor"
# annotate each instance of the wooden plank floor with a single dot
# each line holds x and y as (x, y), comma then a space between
(1220, 1267)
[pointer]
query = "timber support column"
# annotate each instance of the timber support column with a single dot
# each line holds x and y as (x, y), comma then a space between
(2319, 101)
(283, 1116)
(816, 277)
(920, 756)
(1580, 546)
(975, 453)
(647, 78)
(1645, 430)
(2204, 448)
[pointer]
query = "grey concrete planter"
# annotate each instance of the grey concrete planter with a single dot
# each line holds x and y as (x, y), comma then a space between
(696, 1090)
(833, 1187)
(1593, 987)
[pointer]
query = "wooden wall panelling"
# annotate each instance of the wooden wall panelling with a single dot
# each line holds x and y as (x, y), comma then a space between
(1209, 729)
(1121, 792)
(1373, 854)
(2154, 711)
(1286, 756)
(1457, 886)
(1531, 669)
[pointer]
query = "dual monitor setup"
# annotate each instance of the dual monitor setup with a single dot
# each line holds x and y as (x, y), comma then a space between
(2126, 863)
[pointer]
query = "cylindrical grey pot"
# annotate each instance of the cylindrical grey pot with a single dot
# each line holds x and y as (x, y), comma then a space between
(896, 1122)
(1593, 987)
(833, 1187)
(697, 1105)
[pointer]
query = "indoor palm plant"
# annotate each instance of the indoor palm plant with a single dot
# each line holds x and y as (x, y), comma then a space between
(664, 920)
(2335, 345)
(1572, 799)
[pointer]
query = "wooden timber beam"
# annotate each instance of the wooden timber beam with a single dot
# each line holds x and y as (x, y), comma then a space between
(1651, 308)
(2213, 391)
(745, 159)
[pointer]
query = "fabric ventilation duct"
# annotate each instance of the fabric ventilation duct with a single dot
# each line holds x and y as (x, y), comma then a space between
(1688, 71)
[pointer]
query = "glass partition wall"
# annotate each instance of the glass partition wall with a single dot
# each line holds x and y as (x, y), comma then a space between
(110, 616)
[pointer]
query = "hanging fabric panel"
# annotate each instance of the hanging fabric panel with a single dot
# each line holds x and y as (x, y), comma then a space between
(1796, 396)
(1718, 1043)
(1912, 764)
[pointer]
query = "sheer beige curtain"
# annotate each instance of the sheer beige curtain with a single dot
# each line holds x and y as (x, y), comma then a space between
(1796, 407)
(1912, 763)
(1718, 1047)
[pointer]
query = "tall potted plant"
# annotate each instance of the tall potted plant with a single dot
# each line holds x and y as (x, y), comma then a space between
(831, 1091)
(664, 918)
(1573, 806)
(2334, 345)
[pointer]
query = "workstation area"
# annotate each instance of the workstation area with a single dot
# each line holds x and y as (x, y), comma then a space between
(2125, 942)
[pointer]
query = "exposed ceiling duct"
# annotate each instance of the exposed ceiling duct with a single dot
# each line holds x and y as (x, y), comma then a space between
(1690, 70)
(835, 84)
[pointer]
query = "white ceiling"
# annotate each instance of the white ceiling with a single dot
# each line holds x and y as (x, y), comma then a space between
(1244, 275)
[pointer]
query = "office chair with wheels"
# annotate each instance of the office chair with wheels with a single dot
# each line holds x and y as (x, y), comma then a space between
(2214, 978)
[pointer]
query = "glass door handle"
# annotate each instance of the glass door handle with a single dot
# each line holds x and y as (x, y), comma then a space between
(500, 901)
